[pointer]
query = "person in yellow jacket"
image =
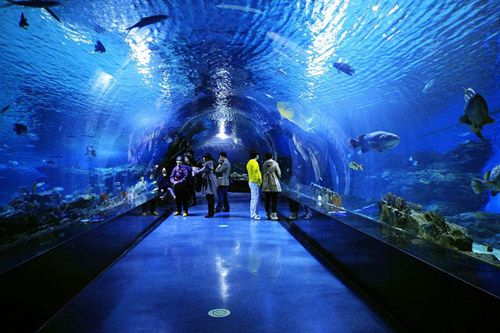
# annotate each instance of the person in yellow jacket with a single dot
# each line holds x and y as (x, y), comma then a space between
(254, 182)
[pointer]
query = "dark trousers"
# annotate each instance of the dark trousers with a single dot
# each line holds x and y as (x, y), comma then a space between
(192, 194)
(211, 203)
(181, 199)
(271, 201)
(222, 200)
(151, 204)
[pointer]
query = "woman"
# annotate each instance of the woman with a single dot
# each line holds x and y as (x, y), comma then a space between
(208, 183)
(179, 179)
(271, 185)
(223, 171)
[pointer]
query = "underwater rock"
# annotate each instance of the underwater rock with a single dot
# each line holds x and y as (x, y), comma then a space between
(484, 227)
(441, 185)
(468, 157)
(83, 201)
(399, 213)
(489, 258)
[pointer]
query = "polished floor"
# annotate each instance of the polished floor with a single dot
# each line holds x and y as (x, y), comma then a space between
(190, 265)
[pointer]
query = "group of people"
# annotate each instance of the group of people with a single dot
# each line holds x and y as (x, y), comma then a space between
(215, 180)
(269, 180)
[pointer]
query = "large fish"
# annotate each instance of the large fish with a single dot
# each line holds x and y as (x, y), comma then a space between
(20, 129)
(377, 141)
(39, 4)
(475, 112)
(491, 182)
(343, 67)
(147, 21)
(35, 3)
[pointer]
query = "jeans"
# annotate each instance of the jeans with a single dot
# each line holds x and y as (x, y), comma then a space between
(254, 198)
(222, 200)
(271, 201)
(211, 202)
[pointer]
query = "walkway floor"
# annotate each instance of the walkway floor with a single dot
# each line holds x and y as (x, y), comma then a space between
(189, 266)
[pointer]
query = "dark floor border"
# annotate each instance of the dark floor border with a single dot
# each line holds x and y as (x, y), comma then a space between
(419, 296)
(323, 257)
(31, 293)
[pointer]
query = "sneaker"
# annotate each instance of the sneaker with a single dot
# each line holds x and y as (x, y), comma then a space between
(226, 210)
(185, 214)
(256, 217)
(177, 213)
(155, 213)
(274, 217)
(144, 214)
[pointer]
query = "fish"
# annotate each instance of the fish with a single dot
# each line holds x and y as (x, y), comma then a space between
(147, 21)
(5, 108)
(36, 185)
(58, 189)
(241, 8)
(343, 67)
(20, 129)
(91, 152)
(413, 161)
(428, 86)
(475, 112)
(103, 197)
(490, 181)
(99, 47)
(285, 110)
(23, 22)
(14, 163)
(355, 166)
(377, 141)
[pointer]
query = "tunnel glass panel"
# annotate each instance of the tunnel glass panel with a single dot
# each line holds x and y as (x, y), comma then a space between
(378, 109)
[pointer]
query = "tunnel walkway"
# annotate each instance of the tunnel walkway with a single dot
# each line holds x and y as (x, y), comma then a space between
(189, 266)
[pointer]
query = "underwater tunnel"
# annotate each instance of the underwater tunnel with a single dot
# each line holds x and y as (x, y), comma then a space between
(383, 116)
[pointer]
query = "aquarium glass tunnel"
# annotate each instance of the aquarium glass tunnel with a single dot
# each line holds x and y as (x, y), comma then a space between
(388, 110)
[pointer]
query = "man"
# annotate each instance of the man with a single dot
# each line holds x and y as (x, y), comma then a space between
(180, 178)
(223, 171)
(254, 182)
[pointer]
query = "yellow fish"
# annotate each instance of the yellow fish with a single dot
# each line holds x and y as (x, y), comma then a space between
(356, 166)
(284, 110)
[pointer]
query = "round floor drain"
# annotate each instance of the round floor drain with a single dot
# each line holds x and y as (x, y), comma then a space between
(219, 313)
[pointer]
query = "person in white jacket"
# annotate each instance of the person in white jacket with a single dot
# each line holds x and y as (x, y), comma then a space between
(271, 186)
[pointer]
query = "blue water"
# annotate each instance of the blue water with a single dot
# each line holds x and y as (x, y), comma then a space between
(214, 73)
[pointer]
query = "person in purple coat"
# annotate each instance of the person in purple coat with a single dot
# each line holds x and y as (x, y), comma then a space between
(180, 179)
